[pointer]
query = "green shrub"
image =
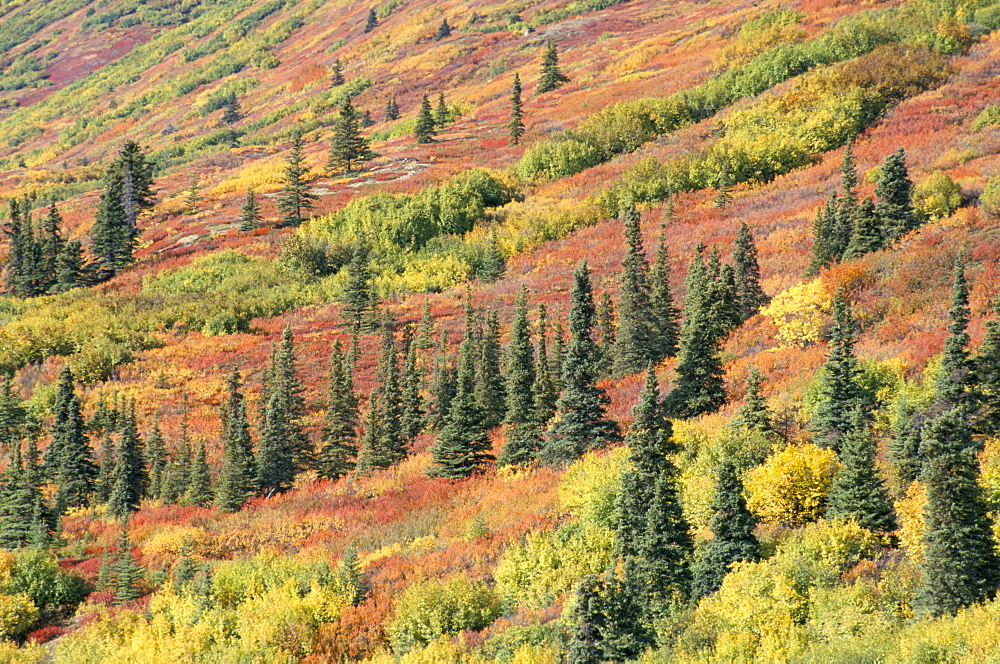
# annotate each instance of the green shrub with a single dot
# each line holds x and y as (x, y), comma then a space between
(559, 157)
(434, 608)
(37, 575)
(989, 200)
(938, 196)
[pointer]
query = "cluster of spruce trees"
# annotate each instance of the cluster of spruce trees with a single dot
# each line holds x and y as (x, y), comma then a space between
(848, 227)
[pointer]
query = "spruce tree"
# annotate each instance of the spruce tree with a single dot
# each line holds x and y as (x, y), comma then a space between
(463, 445)
(192, 195)
(424, 129)
(250, 216)
(296, 200)
(867, 235)
(412, 422)
(544, 388)
(349, 147)
(839, 392)
(551, 77)
(199, 489)
(425, 330)
(126, 575)
(443, 31)
(237, 480)
(754, 413)
(960, 564)
(634, 342)
(749, 295)
(113, 238)
(986, 376)
(232, 113)
(515, 127)
(666, 547)
(156, 460)
(893, 197)
(69, 459)
(441, 114)
(69, 267)
(904, 448)
(275, 455)
(371, 21)
(557, 360)
(523, 438)
(339, 452)
(824, 249)
(443, 384)
(282, 379)
(588, 622)
(359, 295)
(13, 414)
(391, 110)
(337, 73)
(128, 479)
(17, 503)
(952, 381)
(664, 317)
(106, 478)
(392, 441)
(858, 493)
(488, 384)
(580, 423)
(606, 334)
(733, 539)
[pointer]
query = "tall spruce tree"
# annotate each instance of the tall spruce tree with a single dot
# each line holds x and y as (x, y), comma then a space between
(296, 200)
(960, 564)
(515, 127)
(952, 382)
(275, 455)
(199, 488)
(634, 344)
(424, 129)
(237, 480)
(371, 21)
(359, 295)
(157, 460)
(384, 442)
(666, 547)
(69, 460)
(551, 77)
(128, 479)
(13, 414)
(348, 147)
(824, 248)
(282, 379)
(867, 235)
(986, 376)
(544, 388)
(489, 389)
(443, 31)
(607, 332)
(893, 197)
(126, 575)
(391, 110)
(749, 295)
(858, 493)
(580, 423)
(18, 497)
(838, 392)
(588, 622)
(754, 413)
(732, 527)
(69, 267)
(412, 422)
(523, 438)
(463, 445)
(441, 114)
(250, 216)
(664, 317)
(339, 451)
(443, 384)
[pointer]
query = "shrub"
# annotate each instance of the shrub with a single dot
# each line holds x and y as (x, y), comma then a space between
(938, 196)
(17, 614)
(37, 575)
(589, 487)
(989, 200)
(558, 157)
(799, 313)
(791, 487)
(434, 608)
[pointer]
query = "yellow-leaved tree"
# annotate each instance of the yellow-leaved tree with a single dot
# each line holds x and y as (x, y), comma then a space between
(799, 313)
(790, 488)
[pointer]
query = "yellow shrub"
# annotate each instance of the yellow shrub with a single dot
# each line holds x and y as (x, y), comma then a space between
(171, 539)
(432, 608)
(938, 196)
(791, 487)
(799, 313)
(17, 614)
(589, 487)
(910, 511)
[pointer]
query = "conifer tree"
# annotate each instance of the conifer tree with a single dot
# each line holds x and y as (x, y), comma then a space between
(664, 317)
(296, 200)
(237, 480)
(749, 295)
(858, 492)
(69, 459)
(392, 441)
(846, 213)
(425, 331)
(986, 376)
(867, 234)
(126, 575)
(391, 110)
(488, 386)
(250, 216)
(69, 267)
(156, 460)
(443, 386)
(904, 448)
(952, 381)
(666, 547)
(463, 445)
(366, 119)
(18, 497)
(524, 438)
(339, 452)
(588, 622)
(358, 293)
(337, 73)
(443, 31)
(412, 422)
(275, 456)
(551, 77)
(580, 423)
(733, 539)
(282, 379)
(192, 195)
(424, 129)
(544, 388)
(960, 563)
(441, 112)
(515, 127)
(199, 489)
(839, 392)
(349, 147)
(105, 479)
(824, 249)
(754, 413)
(634, 342)
(128, 480)
(558, 354)
(13, 414)
(371, 21)
(232, 113)
(112, 237)
(893, 197)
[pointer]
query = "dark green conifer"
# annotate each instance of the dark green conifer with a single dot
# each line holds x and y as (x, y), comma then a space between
(858, 493)
(960, 563)
(952, 381)
(838, 393)
(523, 438)
(904, 448)
(824, 249)
(544, 388)
(606, 334)
(443, 31)
(340, 441)
(199, 489)
(359, 296)
(893, 197)
(250, 216)
(127, 576)
(754, 413)
(733, 539)
(488, 384)
(634, 343)
(441, 114)
(551, 76)
(69, 460)
(17, 503)
(129, 479)
(986, 376)
(424, 129)
(296, 200)
(391, 110)
(558, 353)
(156, 460)
(105, 478)
(588, 622)
(13, 414)
(666, 547)
(664, 317)
(425, 331)
(337, 73)
(443, 387)
(237, 480)
(412, 381)
(867, 234)
(580, 423)
(371, 21)
(515, 127)
(282, 379)
(750, 296)
(275, 455)
(232, 112)
(348, 148)
(69, 267)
